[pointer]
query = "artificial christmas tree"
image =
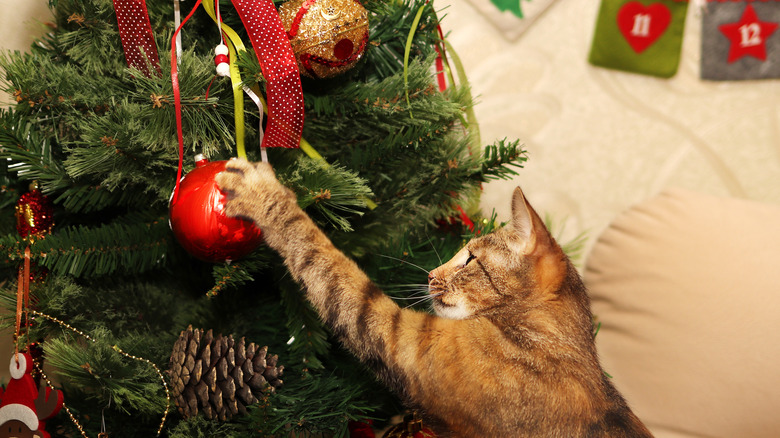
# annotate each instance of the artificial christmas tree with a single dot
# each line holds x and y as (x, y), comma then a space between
(386, 154)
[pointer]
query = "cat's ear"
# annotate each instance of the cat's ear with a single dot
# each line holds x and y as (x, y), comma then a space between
(523, 222)
(528, 225)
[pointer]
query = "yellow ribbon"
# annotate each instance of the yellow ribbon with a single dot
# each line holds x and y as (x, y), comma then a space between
(234, 44)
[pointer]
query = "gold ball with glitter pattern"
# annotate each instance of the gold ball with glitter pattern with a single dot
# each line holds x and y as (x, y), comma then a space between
(328, 37)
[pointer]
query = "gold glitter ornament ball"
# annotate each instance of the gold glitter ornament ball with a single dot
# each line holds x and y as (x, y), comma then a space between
(328, 37)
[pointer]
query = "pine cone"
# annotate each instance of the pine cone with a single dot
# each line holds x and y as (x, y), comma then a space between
(219, 377)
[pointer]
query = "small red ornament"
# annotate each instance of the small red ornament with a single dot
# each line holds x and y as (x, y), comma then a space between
(198, 220)
(34, 214)
(361, 429)
(24, 407)
(411, 427)
(328, 37)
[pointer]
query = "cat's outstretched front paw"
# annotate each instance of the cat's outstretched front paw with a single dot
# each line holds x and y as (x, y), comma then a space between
(253, 191)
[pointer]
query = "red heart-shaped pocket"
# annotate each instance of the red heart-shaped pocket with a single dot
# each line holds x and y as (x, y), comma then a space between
(642, 25)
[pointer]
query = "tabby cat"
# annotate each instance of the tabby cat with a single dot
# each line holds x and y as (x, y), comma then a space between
(510, 352)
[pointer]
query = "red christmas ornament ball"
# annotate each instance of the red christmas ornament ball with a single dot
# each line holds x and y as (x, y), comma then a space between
(198, 220)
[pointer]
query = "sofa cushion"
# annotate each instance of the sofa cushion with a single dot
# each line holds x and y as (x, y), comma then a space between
(687, 290)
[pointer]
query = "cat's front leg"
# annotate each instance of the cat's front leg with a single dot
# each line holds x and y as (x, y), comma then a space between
(254, 193)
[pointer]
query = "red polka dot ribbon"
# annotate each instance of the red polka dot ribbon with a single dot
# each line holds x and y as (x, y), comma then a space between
(280, 70)
(135, 32)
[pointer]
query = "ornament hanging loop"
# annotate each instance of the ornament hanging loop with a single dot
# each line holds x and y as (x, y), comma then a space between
(22, 300)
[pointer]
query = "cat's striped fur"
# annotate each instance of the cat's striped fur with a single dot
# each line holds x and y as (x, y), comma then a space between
(511, 353)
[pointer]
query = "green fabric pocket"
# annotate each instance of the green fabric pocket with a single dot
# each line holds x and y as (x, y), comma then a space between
(639, 36)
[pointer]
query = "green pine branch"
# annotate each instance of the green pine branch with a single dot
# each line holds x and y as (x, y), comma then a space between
(82, 357)
(309, 341)
(89, 198)
(206, 102)
(232, 275)
(28, 154)
(330, 192)
(389, 29)
(86, 35)
(200, 427)
(131, 386)
(376, 114)
(117, 247)
(312, 405)
(501, 157)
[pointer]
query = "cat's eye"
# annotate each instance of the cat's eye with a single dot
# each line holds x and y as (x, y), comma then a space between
(469, 259)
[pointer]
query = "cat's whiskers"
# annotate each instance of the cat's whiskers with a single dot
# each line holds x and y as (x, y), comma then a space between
(419, 301)
(433, 247)
(413, 297)
(405, 261)
(413, 291)
(409, 285)
(429, 297)
(417, 293)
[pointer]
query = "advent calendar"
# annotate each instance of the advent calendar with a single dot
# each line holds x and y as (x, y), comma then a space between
(739, 38)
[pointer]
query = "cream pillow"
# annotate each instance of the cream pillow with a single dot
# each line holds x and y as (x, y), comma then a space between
(687, 290)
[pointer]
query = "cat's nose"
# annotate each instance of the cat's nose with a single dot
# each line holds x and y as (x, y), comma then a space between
(431, 276)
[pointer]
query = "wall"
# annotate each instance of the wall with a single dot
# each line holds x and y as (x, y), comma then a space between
(600, 140)
(21, 22)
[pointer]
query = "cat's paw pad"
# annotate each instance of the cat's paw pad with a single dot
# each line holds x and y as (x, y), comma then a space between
(231, 180)
(248, 188)
(241, 172)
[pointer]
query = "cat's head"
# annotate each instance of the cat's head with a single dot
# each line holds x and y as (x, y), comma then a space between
(517, 265)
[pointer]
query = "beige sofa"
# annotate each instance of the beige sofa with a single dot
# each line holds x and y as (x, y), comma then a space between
(687, 290)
